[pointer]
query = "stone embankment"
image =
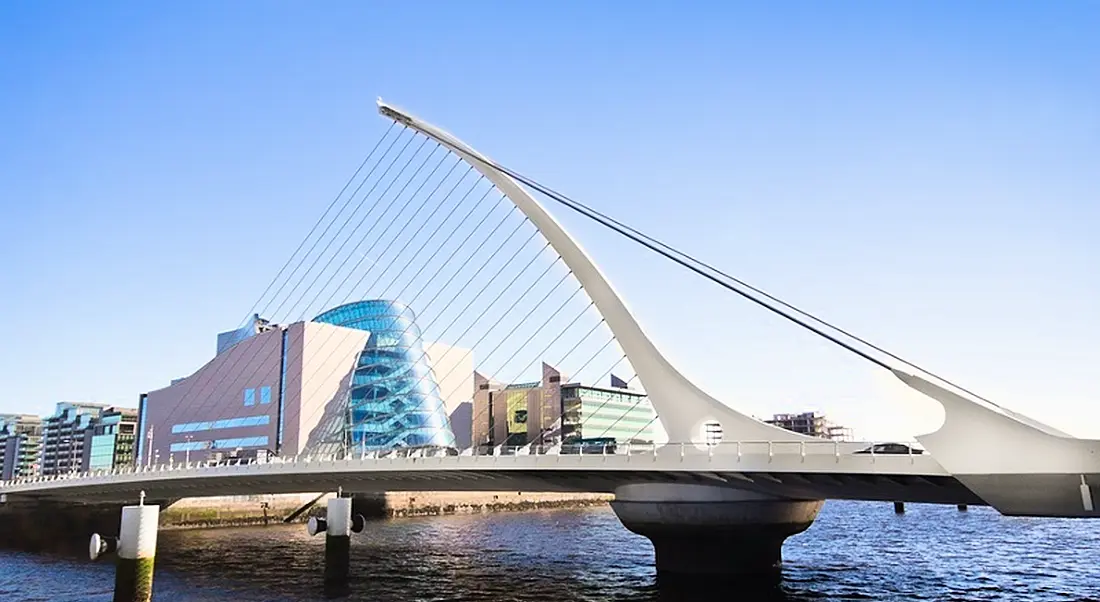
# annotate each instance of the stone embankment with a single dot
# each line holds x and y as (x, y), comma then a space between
(194, 513)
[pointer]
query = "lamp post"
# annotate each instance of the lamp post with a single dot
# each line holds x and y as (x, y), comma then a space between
(187, 450)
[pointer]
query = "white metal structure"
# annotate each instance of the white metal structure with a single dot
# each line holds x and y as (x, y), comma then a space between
(981, 454)
(682, 407)
(805, 469)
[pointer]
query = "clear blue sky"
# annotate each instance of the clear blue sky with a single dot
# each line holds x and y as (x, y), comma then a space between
(924, 173)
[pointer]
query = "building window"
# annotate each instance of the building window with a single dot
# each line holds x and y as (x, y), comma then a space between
(189, 446)
(265, 395)
(250, 397)
(219, 444)
(240, 442)
(228, 423)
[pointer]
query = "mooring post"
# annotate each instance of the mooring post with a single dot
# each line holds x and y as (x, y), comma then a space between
(337, 526)
(962, 507)
(136, 545)
(899, 507)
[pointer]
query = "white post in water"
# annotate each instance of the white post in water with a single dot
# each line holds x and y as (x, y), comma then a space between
(136, 546)
(338, 543)
(337, 527)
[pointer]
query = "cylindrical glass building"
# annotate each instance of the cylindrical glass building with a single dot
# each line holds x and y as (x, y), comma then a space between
(394, 400)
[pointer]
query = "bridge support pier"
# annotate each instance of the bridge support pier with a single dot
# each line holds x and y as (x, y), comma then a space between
(337, 526)
(708, 531)
(137, 547)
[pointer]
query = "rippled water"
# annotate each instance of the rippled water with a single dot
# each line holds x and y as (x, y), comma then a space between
(855, 551)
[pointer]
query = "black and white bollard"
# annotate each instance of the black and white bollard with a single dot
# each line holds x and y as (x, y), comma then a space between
(337, 526)
(136, 546)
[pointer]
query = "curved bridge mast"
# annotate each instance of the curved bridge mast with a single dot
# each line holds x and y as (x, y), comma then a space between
(682, 407)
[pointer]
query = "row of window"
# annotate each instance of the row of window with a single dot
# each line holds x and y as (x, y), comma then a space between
(610, 407)
(220, 444)
(597, 394)
(228, 423)
(250, 396)
(597, 420)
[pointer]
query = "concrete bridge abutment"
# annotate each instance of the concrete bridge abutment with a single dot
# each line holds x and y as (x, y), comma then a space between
(702, 531)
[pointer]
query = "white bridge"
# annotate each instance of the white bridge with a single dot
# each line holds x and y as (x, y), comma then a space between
(811, 469)
(757, 475)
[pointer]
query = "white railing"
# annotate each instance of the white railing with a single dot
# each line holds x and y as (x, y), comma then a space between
(738, 449)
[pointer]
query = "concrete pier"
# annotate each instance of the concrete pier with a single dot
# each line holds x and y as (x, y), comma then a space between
(707, 531)
(137, 548)
(338, 544)
(337, 526)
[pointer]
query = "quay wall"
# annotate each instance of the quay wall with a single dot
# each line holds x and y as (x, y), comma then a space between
(229, 511)
(46, 526)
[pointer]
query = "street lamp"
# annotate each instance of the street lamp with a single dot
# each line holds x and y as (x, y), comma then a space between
(187, 450)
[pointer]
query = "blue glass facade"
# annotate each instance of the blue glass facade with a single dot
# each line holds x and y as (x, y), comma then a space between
(393, 400)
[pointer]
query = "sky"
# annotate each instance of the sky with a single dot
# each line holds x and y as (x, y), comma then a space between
(925, 174)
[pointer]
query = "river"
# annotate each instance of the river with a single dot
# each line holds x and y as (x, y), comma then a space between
(855, 551)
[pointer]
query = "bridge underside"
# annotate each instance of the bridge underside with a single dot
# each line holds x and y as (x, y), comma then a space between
(794, 485)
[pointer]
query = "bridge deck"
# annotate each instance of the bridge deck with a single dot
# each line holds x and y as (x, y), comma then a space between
(818, 471)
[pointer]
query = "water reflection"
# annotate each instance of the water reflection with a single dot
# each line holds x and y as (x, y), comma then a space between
(854, 552)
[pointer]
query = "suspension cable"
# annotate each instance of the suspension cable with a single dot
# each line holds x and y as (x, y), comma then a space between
(709, 272)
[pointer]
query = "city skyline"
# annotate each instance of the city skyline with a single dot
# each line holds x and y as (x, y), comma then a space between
(943, 212)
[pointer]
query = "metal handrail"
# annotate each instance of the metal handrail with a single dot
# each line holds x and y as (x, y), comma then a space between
(739, 449)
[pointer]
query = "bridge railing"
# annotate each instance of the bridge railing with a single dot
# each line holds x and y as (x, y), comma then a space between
(738, 449)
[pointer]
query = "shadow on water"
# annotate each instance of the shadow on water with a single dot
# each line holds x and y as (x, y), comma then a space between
(733, 590)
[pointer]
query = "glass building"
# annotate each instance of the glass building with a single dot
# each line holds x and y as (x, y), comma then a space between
(63, 436)
(552, 411)
(393, 400)
(597, 412)
(110, 440)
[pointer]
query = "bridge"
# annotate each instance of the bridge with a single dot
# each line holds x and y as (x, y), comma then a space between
(718, 497)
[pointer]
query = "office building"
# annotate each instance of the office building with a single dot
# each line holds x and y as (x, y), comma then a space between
(109, 440)
(20, 445)
(356, 378)
(63, 436)
(553, 411)
(812, 424)
(591, 412)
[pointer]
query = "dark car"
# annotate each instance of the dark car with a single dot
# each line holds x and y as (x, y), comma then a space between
(891, 448)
